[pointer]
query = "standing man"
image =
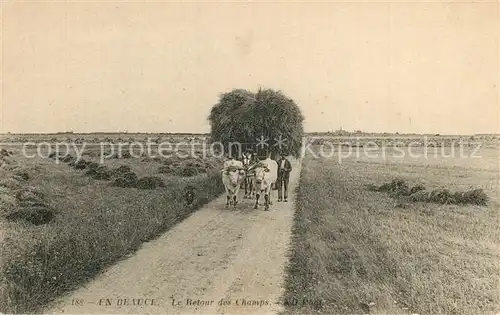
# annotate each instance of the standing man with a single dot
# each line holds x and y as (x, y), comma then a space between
(246, 159)
(284, 169)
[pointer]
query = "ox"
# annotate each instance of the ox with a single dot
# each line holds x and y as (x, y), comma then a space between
(232, 179)
(266, 174)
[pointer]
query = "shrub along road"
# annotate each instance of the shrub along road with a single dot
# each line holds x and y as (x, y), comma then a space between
(218, 260)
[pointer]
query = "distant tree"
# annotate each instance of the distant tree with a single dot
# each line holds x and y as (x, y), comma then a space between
(242, 116)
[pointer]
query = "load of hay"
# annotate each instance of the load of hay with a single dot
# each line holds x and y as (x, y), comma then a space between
(243, 116)
(398, 188)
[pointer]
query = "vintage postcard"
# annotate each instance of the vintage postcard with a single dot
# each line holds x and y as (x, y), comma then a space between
(249, 157)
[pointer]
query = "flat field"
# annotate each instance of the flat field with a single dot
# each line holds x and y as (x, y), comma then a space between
(61, 225)
(354, 250)
(359, 251)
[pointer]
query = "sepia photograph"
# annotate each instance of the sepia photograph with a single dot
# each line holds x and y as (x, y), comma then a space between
(249, 157)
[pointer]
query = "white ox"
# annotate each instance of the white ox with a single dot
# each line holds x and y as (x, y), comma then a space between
(232, 177)
(266, 174)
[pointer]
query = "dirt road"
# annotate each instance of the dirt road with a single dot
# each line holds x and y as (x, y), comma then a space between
(216, 261)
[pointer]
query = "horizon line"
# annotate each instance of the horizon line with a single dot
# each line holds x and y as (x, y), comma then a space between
(336, 132)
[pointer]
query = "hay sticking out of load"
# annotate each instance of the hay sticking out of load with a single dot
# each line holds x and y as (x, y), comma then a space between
(398, 188)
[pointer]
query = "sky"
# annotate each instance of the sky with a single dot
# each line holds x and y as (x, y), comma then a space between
(108, 66)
